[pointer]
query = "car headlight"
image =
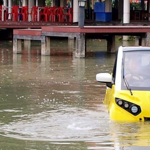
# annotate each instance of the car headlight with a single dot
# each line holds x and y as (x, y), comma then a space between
(120, 102)
(128, 106)
(134, 109)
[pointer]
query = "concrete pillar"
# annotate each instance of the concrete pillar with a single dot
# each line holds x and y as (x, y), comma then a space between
(143, 40)
(27, 44)
(126, 15)
(137, 40)
(125, 38)
(37, 4)
(140, 40)
(75, 11)
(81, 17)
(24, 3)
(148, 39)
(120, 10)
(80, 46)
(71, 43)
(5, 3)
(126, 11)
(38, 12)
(45, 46)
(53, 3)
(4, 9)
(111, 44)
(17, 46)
(108, 6)
(71, 3)
(125, 43)
(30, 5)
(9, 8)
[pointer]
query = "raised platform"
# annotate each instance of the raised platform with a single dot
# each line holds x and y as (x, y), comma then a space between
(88, 29)
(26, 24)
(97, 29)
(40, 24)
(80, 34)
(31, 32)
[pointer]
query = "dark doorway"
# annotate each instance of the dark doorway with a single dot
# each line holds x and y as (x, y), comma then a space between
(57, 3)
(1, 2)
(88, 10)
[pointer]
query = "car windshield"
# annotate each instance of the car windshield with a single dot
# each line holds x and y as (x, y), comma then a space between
(136, 70)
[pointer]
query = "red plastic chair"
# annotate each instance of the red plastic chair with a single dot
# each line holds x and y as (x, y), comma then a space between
(68, 16)
(24, 13)
(14, 13)
(5, 9)
(60, 13)
(55, 14)
(34, 13)
(44, 15)
(51, 13)
(0, 12)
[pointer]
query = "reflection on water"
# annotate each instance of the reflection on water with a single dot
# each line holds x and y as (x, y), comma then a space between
(55, 103)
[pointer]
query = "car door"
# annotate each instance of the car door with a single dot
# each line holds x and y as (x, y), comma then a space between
(110, 89)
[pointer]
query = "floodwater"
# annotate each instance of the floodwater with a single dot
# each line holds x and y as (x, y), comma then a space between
(55, 103)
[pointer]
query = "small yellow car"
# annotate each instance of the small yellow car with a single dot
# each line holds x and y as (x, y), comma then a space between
(128, 87)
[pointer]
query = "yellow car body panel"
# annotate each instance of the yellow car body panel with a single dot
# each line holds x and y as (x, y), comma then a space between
(141, 98)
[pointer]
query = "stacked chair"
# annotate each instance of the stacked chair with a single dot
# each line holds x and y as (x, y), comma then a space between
(47, 14)
(24, 13)
(34, 13)
(14, 13)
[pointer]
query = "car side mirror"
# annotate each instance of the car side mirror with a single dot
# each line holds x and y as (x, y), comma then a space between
(104, 78)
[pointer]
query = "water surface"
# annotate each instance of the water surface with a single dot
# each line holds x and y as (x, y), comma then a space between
(54, 102)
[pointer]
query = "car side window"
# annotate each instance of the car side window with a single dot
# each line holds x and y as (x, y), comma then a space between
(114, 71)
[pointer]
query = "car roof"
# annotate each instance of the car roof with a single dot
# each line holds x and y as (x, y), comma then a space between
(134, 48)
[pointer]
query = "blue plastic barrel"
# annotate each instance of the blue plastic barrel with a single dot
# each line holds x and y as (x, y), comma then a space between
(104, 16)
(99, 7)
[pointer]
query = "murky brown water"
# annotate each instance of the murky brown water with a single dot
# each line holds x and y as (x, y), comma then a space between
(54, 103)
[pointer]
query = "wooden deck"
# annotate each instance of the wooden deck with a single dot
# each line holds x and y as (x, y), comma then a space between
(124, 30)
(98, 29)
(30, 32)
(25, 25)
(40, 24)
